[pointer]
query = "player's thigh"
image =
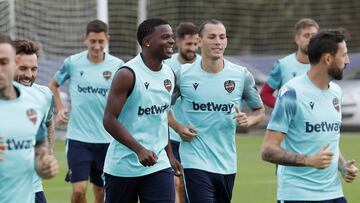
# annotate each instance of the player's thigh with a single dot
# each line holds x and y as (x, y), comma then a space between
(199, 186)
(157, 187)
(224, 185)
(79, 159)
(98, 159)
(121, 189)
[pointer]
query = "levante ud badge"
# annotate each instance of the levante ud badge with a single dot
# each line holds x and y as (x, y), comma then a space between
(229, 85)
(167, 84)
(336, 104)
(32, 115)
(107, 74)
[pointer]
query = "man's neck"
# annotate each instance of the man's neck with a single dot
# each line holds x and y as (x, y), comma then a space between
(302, 58)
(8, 93)
(151, 62)
(212, 66)
(96, 59)
(319, 77)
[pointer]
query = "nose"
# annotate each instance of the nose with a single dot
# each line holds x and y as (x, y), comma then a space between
(28, 73)
(347, 60)
(171, 40)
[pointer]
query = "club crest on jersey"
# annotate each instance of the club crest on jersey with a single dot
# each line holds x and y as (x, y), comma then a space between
(167, 84)
(229, 85)
(32, 115)
(336, 104)
(107, 74)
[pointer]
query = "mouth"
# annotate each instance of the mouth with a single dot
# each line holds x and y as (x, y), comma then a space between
(169, 50)
(26, 82)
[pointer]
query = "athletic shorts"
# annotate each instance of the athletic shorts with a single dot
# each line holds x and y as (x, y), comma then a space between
(337, 200)
(175, 148)
(204, 187)
(157, 187)
(40, 197)
(85, 160)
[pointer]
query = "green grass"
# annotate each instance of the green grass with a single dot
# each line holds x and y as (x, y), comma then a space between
(255, 179)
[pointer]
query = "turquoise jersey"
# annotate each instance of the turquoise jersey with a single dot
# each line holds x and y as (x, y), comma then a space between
(175, 65)
(89, 86)
(144, 115)
(286, 69)
(310, 118)
(208, 102)
(48, 102)
(23, 124)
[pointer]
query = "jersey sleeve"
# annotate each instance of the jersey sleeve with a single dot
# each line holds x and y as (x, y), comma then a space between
(284, 111)
(251, 94)
(274, 79)
(64, 73)
(176, 94)
(42, 132)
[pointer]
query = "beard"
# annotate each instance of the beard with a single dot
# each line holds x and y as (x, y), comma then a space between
(335, 73)
(188, 55)
(304, 50)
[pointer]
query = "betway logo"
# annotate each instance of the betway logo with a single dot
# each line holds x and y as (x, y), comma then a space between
(211, 106)
(92, 90)
(322, 127)
(13, 144)
(152, 110)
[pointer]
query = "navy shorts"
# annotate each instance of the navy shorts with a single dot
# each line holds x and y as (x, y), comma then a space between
(157, 187)
(175, 148)
(40, 197)
(337, 200)
(204, 187)
(85, 160)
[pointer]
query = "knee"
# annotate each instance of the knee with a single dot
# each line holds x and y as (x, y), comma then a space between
(79, 191)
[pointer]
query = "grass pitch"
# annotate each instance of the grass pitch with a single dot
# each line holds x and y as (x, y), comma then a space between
(255, 179)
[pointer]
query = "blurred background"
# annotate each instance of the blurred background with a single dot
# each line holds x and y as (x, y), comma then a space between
(259, 32)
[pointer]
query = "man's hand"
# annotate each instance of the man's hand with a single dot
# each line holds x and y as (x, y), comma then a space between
(349, 171)
(187, 133)
(2, 148)
(177, 167)
(241, 118)
(62, 116)
(147, 157)
(322, 159)
(46, 166)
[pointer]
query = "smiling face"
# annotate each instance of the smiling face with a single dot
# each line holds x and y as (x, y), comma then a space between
(160, 43)
(27, 69)
(213, 41)
(96, 43)
(188, 47)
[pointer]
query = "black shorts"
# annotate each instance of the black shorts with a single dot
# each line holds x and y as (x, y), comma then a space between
(157, 187)
(40, 197)
(85, 160)
(202, 186)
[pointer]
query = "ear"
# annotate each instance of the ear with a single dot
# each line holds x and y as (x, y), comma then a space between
(108, 37)
(146, 42)
(177, 42)
(296, 39)
(328, 58)
(200, 41)
(17, 59)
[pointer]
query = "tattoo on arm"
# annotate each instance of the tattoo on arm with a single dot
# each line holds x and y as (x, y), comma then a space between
(51, 135)
(280, 156)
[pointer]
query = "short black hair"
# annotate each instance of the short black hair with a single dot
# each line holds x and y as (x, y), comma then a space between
(326, 41)
(6, 39)
(212, 21)
(26, 47)
(147, 27)
(185, 28)
(96, 26)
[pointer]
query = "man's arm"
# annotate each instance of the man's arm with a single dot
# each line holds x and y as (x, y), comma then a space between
(51, 135)
(271, 151)
(175, 164)
(121, 85)
(62, 112)
(46, 164)
(267, 96)
(187, 133)
(2, 148)
(347, 169)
